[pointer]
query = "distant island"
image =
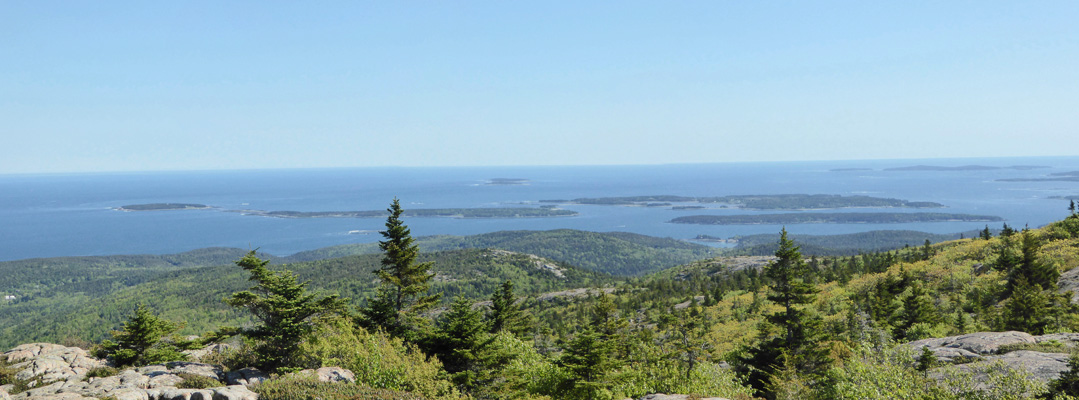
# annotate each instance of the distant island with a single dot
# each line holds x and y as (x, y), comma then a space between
(1072, 197)
(517, 212)
(963, 168)
(1070, 176)
(831, 218)
(508, 181)
(758, 202)
(162, 207)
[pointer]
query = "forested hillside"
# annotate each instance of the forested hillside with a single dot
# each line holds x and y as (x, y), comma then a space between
(195, 295)
(616, 253)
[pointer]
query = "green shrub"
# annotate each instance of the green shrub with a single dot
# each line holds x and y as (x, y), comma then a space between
(298, 387)
(1044, 347)
(376, 359)
(101, 372)
(192, 381)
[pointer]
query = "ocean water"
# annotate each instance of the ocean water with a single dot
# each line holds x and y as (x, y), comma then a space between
(48, 215)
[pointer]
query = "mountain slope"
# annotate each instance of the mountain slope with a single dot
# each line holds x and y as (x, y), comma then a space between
(195, 296)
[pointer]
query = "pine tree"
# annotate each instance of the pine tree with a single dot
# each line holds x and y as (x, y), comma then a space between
(926, 361)
(917, 308)
(1006, 231)
(1071, 207)
(1068, 381)
(986, 234)
(462, 344)
(927, 251)
(588, 359)
(799, 331)
(1030, 268)
(396, 308)
(506, 315)
(285, 311)
(142, 341)
(1027, 310)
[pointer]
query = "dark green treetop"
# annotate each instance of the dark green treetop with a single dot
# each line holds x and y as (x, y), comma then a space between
(405, 282)
(286, 312)
(141, 342)
(506, 315)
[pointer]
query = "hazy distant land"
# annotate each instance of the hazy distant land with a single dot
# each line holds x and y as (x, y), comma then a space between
(757, 202)
(508, 181)
(162, 207)
(831, 218)
(515, 212)
(963, 168)
(1070, 176)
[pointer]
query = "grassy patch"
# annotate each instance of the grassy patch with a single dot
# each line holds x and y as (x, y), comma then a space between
(294, 388)
(192, 381)
(1044, 347)
(101, 372)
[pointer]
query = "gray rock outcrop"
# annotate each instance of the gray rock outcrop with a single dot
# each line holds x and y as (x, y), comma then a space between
(974, 344)
(246, 376)
(50, 362)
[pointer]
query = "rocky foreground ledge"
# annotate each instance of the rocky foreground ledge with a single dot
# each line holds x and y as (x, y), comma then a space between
(1018, 350)
(63, 372)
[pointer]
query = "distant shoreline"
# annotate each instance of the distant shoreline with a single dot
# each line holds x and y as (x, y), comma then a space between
(831, 218)
(163, 207)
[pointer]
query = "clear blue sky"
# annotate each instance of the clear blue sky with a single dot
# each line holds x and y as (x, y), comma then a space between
(156, 85)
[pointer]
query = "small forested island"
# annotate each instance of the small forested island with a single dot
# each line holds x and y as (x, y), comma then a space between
(963, 168)
(831, 218)
(493, 212)
(1070, 176)
(162, 207)
(759, 202)
(507, 181)
(849, 169)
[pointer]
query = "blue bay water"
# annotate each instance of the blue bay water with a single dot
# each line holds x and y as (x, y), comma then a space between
(72, 214)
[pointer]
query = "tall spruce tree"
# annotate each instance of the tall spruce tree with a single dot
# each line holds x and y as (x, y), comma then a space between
(463, 345)
(286, 312)
(506, 315)
(798, 335)
(1032, 269)
(405, 282)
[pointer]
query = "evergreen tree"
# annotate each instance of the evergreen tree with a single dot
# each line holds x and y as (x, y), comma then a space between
(985, 234)
(506, 315)
(798, 340)
(285, 311)
(917, 308)
(142, 341)
(1068, 381)
(1071, 207)
(589, 360)
(1031, 269)
(462, 344)
(927, 251)
(685, 333)
(1006, 231)
(1027, 310)
(926, 361)
(396, 308)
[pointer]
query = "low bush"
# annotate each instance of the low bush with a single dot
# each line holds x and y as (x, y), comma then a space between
(300, 387)
(192, 381)
(101, 372)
